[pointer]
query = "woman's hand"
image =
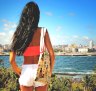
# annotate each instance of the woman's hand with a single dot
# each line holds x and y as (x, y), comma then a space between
(50, 72)
(16, 69)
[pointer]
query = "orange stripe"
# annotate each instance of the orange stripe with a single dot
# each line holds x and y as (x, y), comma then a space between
(31, 51)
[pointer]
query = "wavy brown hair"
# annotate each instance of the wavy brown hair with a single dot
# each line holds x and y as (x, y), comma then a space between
(25, 30)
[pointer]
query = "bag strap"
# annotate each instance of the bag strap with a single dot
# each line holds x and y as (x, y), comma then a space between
(42, 44)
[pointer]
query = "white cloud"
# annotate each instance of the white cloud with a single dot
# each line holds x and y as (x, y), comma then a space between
(58, 28)
(6, 37)
(66, 37)
(48, 13)
(75, 36)
(8, 25)
(60, 39)
(8, 30)
(86, 37)
(2, 34)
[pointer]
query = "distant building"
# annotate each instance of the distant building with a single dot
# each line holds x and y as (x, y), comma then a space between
(0, 45)
(80, 46)
(68, 49)
(74, 49)
(83, 50)
(90, 44)
(1, 49)
(94, 47)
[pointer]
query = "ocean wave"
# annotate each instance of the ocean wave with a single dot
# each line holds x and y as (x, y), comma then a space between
(68, 68)
(74, 73)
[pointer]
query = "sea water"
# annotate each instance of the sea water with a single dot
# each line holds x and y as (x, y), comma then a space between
(64, 64)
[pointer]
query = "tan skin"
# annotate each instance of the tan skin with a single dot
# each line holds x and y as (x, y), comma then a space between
(34, 59)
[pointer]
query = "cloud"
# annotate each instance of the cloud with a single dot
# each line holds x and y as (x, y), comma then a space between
(59, 39)
(8, 30)
(58, 28)
(6, 37)
(83, 40)
(2, 34)
(7, 25)
(75, 36)
(49, 13)
(66, 37)
(86, 37)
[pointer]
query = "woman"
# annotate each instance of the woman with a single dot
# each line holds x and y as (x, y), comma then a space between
(29, 41)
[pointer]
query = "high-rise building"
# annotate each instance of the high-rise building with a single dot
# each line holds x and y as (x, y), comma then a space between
(90, 44)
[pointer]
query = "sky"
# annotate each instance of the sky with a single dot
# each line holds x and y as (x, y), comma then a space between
(67, 21)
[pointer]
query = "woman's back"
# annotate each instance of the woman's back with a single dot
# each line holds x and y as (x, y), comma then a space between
(33, 59)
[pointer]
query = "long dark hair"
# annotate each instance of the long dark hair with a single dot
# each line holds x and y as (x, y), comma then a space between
(25, 30)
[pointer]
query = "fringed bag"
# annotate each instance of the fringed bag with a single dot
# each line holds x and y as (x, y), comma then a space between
(43, 72)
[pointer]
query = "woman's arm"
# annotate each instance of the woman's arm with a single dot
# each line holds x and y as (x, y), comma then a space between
(13, 63)
(50, 50)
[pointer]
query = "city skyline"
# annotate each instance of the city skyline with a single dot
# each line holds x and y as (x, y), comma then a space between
(68, 21)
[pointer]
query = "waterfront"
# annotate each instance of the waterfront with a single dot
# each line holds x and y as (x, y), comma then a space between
(65, 64)
(75, 54)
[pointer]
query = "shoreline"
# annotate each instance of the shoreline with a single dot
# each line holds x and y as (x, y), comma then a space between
(74, 74)
(59, 55)
(4, 55)
(75, 54)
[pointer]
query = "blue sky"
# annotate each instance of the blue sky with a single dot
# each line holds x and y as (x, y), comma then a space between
(68, 21)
